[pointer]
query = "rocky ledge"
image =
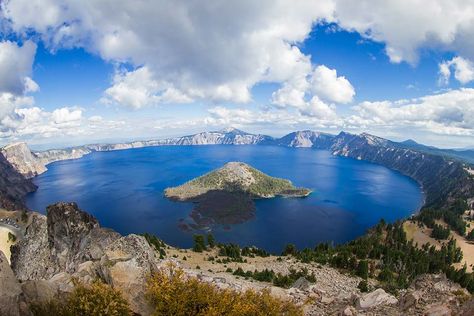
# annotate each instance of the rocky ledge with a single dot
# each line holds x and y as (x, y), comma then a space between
(69, 244)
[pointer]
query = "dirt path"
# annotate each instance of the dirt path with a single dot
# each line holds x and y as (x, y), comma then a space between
(5, 243)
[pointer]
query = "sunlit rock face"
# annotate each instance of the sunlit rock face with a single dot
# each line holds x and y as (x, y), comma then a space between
(13, 186)
(23, 160)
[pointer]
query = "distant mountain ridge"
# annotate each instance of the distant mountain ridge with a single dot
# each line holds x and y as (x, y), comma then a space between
(442, 173)
(462, 154)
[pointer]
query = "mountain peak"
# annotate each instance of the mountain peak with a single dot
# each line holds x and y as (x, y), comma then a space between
(231, 130)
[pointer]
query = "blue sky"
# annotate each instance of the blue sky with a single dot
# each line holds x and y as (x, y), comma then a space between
(70, 75)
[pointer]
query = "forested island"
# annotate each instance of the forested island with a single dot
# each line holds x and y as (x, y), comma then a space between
(225, 196)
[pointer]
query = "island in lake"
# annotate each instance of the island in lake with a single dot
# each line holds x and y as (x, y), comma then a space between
(225, 196)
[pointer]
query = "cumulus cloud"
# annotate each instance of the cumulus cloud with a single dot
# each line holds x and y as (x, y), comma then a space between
(406, 26)
(36, 123)
(463, 70)
(209, 50)
(137, 89)
(15, 70)
(326, 84)
(449, 113)
(15, 67)
(66, 115)
(309, 93)
(184, 51)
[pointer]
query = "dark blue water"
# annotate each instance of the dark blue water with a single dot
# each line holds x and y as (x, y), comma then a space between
(124, 190)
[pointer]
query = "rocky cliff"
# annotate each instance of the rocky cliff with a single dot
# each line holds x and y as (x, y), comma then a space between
(23, 160)
(13, 186)
(52, 155)
(230, 136)
(306, 139)
(441, 178)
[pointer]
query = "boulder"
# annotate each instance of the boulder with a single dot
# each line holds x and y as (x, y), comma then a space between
(39, 290)
(126, 265)
(410, 300)
(67, 229)
(375, 298)
(302, 284)
(11, 298)
(348, 311)
(438, 309)
(30, 257)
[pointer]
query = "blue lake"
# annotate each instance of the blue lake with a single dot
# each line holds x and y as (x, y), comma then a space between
(124, 190)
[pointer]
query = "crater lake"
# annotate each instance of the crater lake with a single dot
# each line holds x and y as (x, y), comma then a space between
(124, 190)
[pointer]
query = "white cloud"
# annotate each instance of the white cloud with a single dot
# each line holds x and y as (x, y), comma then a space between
(463, 70)
(207, 50)
(319, 86)
(34, 123)
(318, 109)
(15, 67)
(138, 89)
(449, 113)
(8, 102)
(15, 71)
(409, 26)
(326, 84)
(292, 93)
(66, 115)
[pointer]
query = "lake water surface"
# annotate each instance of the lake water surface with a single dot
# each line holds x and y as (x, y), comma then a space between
(124, 190)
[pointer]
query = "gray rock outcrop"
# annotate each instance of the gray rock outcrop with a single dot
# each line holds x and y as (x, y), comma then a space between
(11, 297)
(13, 186)
(69, 244)
(23, 160)
(375, 298)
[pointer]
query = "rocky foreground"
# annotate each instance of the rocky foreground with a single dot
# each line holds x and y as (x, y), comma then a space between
(69, 244)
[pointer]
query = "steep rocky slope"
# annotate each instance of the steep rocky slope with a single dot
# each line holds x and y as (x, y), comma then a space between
(442, 179)
(52, 155)
(13, 186)
(229, 136)
(23, 160)
(306, 139)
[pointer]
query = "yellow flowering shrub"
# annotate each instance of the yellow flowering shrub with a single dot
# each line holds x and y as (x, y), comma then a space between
(97, 299)
(171, 292)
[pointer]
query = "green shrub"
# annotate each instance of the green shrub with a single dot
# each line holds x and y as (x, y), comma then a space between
(363, 286)
(11, 237)
(199, 244)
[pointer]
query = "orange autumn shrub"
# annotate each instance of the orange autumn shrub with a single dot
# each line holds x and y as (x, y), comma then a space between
(171, 292)
(97, 299)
